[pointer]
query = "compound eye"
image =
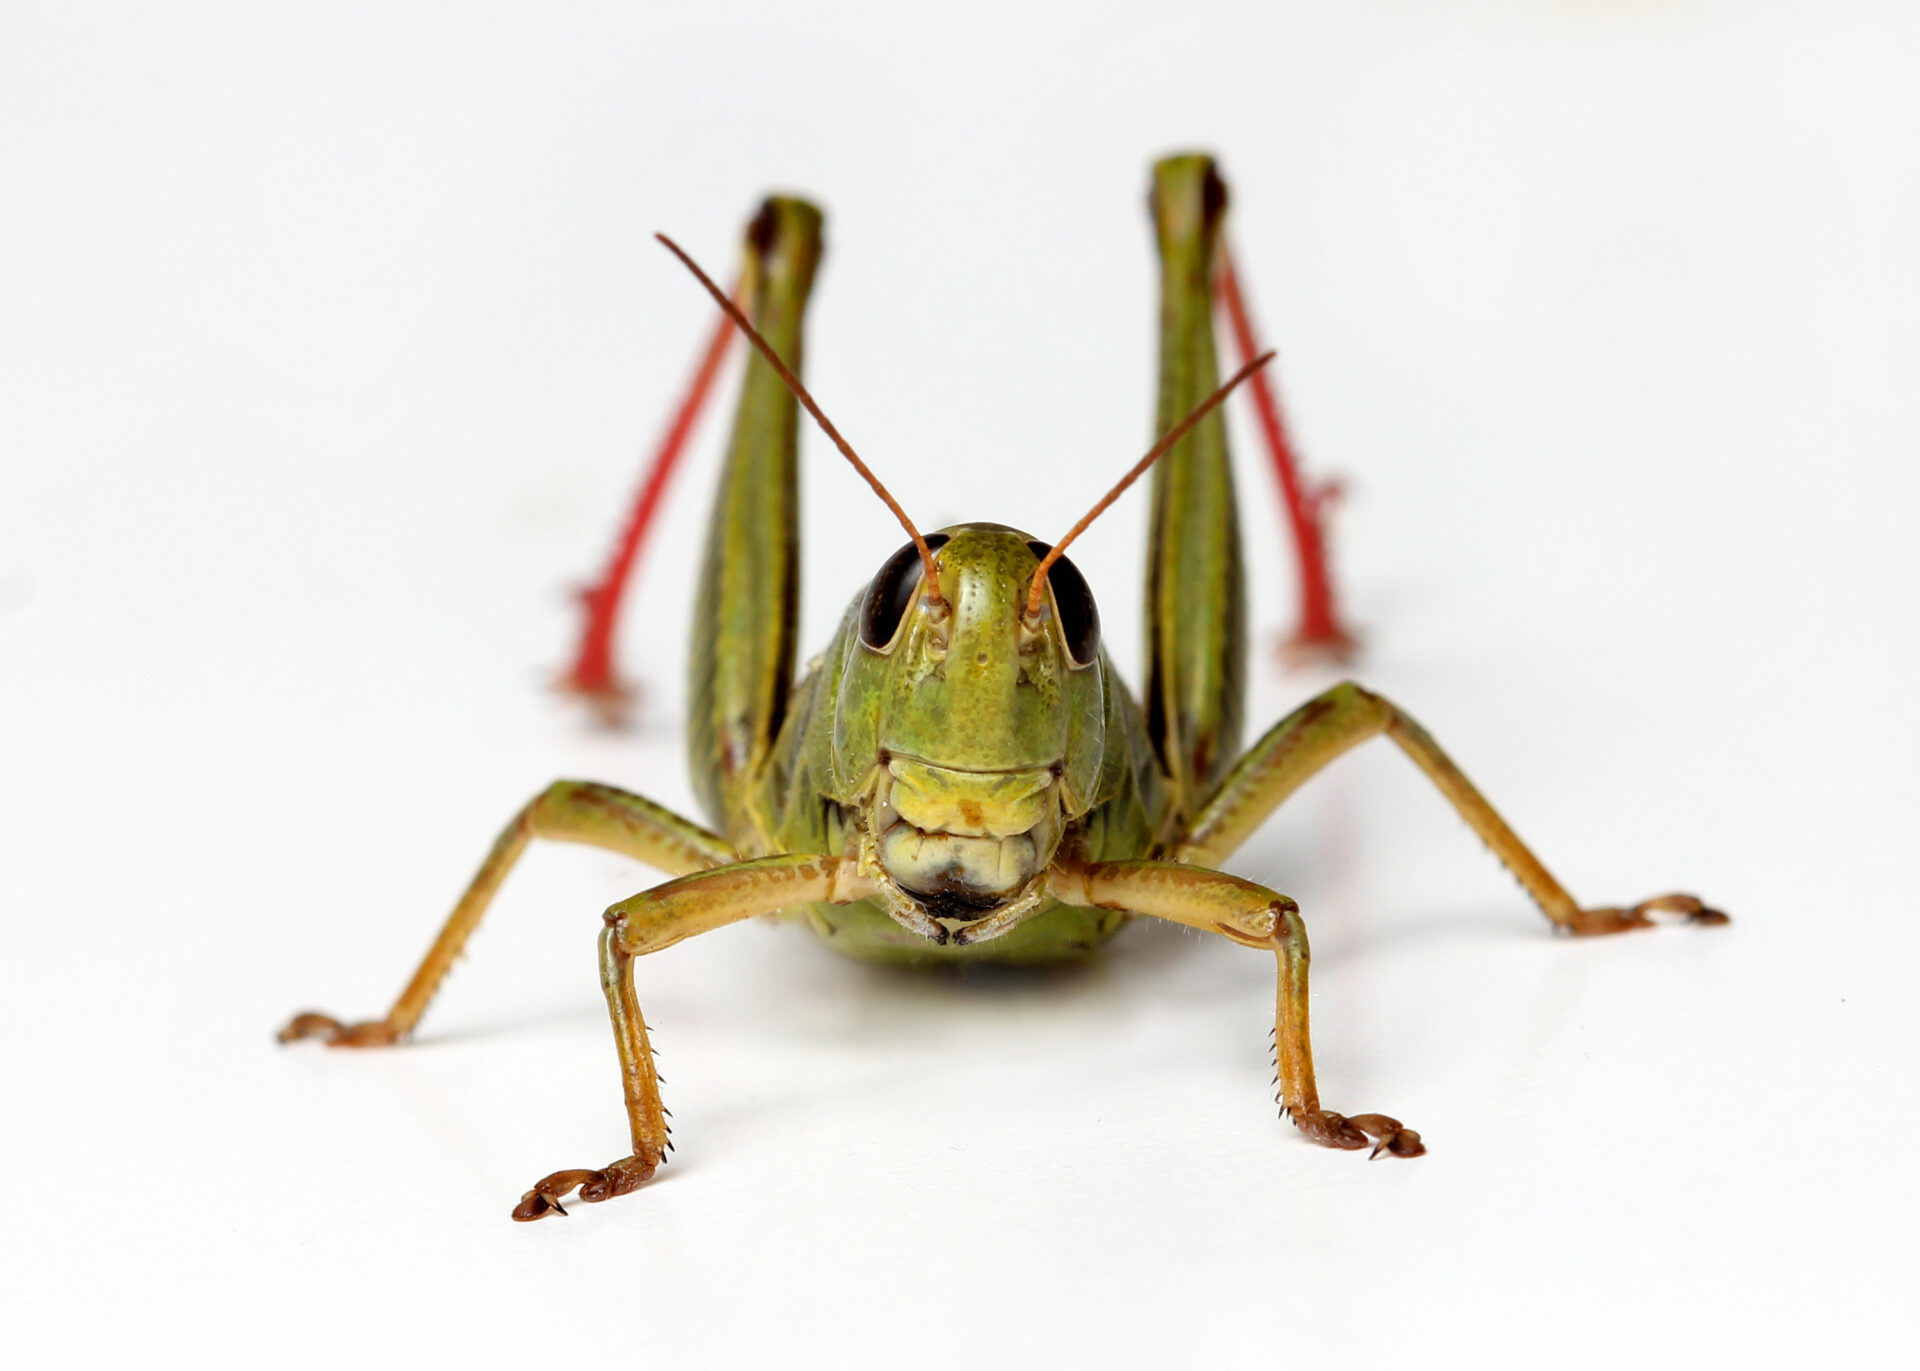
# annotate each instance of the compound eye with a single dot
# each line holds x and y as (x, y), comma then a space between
(891, 592)
(1079, 619)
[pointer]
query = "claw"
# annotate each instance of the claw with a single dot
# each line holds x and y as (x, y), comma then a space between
(1690, 907)
(1390, 1135)
(1590, 923)
(534, 1205)
(309, 1025)
(372, 1033)
(545, 1197)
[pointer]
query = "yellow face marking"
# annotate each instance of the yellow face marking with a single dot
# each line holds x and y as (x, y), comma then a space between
(971, 804)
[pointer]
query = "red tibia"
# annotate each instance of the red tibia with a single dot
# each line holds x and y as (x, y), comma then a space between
(592, 674)
(1319, 633)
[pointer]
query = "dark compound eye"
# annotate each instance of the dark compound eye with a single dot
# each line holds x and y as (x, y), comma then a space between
(1079, 619)
(890, 592)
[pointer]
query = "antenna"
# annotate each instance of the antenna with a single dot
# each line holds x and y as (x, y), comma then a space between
(1159, 450)
(734, 313)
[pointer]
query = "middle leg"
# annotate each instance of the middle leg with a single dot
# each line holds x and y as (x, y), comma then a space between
(1346, 716)
(566, 811)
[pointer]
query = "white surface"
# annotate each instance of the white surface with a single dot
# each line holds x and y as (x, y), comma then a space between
(327, 347)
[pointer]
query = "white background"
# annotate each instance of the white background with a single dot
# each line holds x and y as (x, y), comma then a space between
(329, 342)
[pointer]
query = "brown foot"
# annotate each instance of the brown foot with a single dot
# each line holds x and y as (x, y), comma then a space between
(619, 1178)
(373, 1033)
(1591, 923)
(1351, 1134)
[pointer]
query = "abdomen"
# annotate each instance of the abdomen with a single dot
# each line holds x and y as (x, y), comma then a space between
(1052, 935)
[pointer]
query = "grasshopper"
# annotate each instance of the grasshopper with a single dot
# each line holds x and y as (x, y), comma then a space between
(963, 776)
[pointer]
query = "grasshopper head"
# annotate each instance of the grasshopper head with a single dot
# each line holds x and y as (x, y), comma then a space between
(968, 732)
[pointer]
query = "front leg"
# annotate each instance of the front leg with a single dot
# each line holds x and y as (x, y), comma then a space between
(646, 923)
(1252, 916)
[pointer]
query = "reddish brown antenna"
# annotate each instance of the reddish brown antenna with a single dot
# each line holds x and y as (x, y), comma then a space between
(1154, 454)
(734, 313)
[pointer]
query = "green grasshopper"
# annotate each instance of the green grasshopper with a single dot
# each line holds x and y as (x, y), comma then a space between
(963, 776)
